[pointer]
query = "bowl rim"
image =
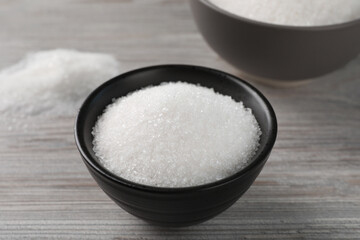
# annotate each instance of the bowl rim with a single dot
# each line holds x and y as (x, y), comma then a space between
(261, 157)
(281, 26)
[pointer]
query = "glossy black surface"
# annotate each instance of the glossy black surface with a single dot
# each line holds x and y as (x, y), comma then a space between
(274, 51)
(174, 206)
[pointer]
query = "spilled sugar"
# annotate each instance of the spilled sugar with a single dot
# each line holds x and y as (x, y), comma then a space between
(294, 12)
(52, 83)
(175, 135)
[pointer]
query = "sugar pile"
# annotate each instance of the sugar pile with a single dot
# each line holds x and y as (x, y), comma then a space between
(53, 82)
(294, 12)
(175, 135)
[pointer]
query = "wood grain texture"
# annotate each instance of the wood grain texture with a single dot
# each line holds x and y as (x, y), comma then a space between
(309, 189)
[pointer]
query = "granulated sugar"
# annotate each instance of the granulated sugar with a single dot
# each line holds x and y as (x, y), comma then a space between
(294, 12)
(53, 82)
(175, 135)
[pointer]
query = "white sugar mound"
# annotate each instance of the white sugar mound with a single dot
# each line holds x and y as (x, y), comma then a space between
(53, 82)
(175, 135)
(294, 12)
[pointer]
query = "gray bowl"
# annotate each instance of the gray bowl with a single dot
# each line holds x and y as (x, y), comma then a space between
(276, 52)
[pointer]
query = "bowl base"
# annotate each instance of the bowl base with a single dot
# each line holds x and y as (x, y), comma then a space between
(176, 224)
(271, 82)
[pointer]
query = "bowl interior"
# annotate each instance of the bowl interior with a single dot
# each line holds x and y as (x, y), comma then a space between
(277, 25)
(221, 82)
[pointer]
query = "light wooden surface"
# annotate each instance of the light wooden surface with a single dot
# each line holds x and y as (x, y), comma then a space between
(309, 189)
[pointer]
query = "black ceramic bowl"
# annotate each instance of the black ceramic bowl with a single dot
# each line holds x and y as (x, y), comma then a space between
(276, 52)
(174, 206)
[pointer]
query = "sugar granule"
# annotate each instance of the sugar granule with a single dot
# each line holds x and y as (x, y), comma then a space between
(175, 135)
(294, 12)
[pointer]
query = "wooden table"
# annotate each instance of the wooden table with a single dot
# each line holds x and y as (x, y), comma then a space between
(309, 189)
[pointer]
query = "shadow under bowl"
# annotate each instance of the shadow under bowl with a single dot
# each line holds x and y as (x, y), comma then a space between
(276, 52)
(174, 206)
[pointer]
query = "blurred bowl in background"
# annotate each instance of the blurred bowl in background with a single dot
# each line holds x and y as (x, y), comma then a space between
(276, 52)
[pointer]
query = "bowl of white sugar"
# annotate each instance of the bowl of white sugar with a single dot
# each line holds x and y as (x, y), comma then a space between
(175, 145)
(281, 40)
